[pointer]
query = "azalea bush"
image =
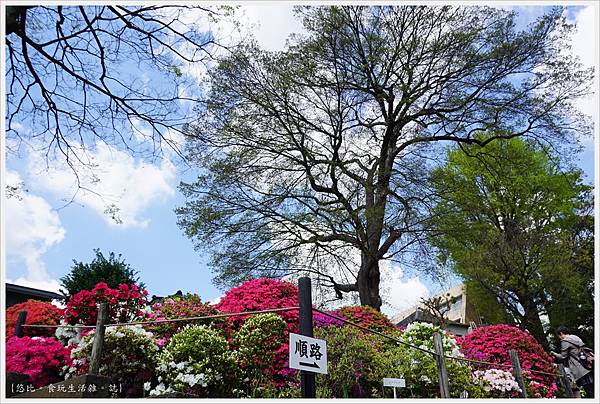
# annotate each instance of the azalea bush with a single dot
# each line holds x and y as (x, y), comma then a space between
(497, 383)
(38, 313)
(492, 343)
(367, 317)
(41, 358)
(356, 365)
(69, 335)
(263, 294)
(420, 369)
(189, 305)
(198, 361)
(321, 320)
(128, 356)
(124, 304)
(256, 343)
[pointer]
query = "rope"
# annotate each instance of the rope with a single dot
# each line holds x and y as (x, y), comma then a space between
(287, 309)
(167, 320)
(426, 350)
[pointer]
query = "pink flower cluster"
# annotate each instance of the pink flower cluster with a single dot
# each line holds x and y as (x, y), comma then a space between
(323, 320)
(40, 358)
(180, 307)
(261, 294)
(124, 303)
(367, 317)
(492, 343)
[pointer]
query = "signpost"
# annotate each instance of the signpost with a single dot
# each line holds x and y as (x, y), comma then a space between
(390, 382)
(308, 354)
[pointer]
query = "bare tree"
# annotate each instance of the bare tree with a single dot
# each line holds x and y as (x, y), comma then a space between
(314, 159)
(438, 307)
(114, 74)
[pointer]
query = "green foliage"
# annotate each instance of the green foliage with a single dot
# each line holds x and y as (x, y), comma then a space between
(313, 151)
(112, 271)
(356, 365)
(503, 222)
(485, 306)
(129, 357)
(419, 368)
(256, 343)
(198, 361)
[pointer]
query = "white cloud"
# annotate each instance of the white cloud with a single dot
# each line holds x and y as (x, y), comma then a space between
(271, 24)
(32, 228)
(115, 185)
(51, 285)
(584, 44)
(399, 292)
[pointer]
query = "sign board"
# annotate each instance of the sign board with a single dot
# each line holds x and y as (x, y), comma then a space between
(308, 354)
(389, 382)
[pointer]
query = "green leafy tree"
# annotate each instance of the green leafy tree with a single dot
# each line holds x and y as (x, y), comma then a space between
(113, 271)
(504, 221)
(314, 159)
(572, 300)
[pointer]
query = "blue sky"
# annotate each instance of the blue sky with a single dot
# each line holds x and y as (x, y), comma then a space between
(42, 239)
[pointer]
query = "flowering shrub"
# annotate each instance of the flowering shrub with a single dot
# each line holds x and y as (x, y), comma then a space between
(40, 358)
(497, 383)
(69, 335)
(367, 317)
(262, 294)
(129, 356)
(321, 320)
(355, 363)
(124, 304)
(38, 312)
(256, 342)
(197, 361)
(189, 305)
(492, 343)
(420, 369)
(540, 390)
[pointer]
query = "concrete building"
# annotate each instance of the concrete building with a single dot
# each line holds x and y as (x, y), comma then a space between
(460, 314)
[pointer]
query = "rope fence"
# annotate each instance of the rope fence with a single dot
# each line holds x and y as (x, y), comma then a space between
(438, 354)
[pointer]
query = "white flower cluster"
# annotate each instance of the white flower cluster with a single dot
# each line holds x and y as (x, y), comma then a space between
(414, 335)
(68, 335)
(496, 380)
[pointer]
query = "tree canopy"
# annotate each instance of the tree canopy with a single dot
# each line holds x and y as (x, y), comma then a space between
(78, 75)
(505, 222)
(112, 271)
(315, 159)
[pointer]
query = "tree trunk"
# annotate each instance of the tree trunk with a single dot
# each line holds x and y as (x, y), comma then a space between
(533, 324)
(368, 281)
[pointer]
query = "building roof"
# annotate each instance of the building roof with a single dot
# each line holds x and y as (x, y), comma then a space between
(25, 290)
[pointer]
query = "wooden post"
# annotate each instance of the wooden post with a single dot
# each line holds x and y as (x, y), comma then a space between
(565, 380)
(20, 321)
(308, 385)
(441, 365)
(98, 340)
(516, 365)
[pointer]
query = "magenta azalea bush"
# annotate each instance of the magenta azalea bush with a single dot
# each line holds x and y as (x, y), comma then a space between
(263, 294)
(367, 317)
(124, 304)
(321, 320)
(41, 358)
(189, 305)
(492, 343)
